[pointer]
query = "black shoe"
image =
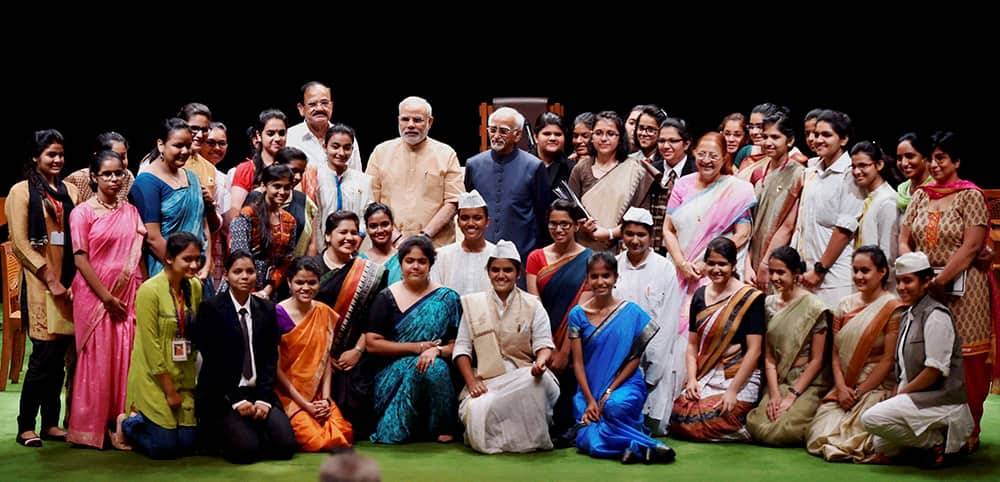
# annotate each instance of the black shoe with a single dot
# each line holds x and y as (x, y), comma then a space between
(54, 438)
(33, 442)
(661, 454)
(630, 457)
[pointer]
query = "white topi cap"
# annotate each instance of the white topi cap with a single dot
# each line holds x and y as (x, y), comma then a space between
(471, 199)
(912, 263)
(506, 250)
(638, 215)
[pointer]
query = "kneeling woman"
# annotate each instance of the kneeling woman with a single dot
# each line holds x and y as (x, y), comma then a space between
(797, 376)
(507, 402)
(929, 409)
(608, 337)
(724, 345)
(161, 377)
(304, 365)
(237, 334)
(412, 323)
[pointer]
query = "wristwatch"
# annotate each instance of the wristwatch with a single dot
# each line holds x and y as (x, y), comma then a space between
(819, 268)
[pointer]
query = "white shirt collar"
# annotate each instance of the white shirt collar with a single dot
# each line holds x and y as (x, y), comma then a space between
(677, 169)
(237, 304)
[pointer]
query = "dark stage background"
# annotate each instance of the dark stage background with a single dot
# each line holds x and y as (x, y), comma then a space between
(90, 94)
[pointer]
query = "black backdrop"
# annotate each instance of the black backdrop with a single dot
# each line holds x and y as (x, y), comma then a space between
(87, 89)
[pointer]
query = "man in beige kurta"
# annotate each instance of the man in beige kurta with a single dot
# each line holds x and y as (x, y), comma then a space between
(419, 178)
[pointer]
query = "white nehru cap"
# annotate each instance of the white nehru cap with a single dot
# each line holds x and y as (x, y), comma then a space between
(638, 215)
(472, 199)
(506, 250)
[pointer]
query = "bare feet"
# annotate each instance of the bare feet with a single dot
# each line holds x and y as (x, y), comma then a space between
(445, 438)
(118, 437)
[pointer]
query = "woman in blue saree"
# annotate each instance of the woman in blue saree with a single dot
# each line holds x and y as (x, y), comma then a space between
(412, 323)
(169, 197)
(608, 337)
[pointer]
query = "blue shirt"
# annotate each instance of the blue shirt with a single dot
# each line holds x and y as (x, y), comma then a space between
(515, 187)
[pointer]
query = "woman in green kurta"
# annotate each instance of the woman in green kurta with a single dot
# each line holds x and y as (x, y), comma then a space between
(161, 378)
(797, 324)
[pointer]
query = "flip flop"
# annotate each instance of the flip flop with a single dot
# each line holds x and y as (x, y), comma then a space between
(33, 442)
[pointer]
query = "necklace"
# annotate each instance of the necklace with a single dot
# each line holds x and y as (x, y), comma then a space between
(111, 207)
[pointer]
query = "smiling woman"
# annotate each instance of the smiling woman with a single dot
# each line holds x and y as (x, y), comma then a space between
(268, 231)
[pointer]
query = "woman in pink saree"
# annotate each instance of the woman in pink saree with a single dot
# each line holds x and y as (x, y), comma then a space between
(704, 205)
(107, 246)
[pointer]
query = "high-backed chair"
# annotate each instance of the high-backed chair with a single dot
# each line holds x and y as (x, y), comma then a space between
(529, 107)
(13, 328)
(993, 203)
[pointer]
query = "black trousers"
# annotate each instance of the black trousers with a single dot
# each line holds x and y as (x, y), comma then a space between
(42, 384)
(562, 414)
(243, 440)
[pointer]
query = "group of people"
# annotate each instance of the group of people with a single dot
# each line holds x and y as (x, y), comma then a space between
(642, 283)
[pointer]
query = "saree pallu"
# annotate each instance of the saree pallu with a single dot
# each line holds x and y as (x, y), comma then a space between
(304, 357)
(777, 194)
(700, 217)
(626, 185)
(560, 285)
(859, 335)
(789, 331)
(113, 243)
(180, 211)
(620, 338)
(718, 362)
(349, 291)
(413, 404)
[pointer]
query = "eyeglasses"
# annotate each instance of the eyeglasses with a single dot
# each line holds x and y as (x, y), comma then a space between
(109, 175)
(646, 129)
(416, 119)
(198, 128)
(606, 134)
(561, 225)
(215, 143)
(709, 155)
(503, 130)
(322, 103)
(862, 166)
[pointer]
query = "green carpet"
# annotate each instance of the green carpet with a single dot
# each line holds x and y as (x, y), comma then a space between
(436, 462)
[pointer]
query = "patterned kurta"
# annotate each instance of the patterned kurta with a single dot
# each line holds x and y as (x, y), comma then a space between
(939, 234)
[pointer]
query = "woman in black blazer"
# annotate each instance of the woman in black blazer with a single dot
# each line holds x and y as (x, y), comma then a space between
(236, 405)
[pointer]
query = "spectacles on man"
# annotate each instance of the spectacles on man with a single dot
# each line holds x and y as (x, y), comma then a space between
(322, 103)
(109, 175)
(503, 130)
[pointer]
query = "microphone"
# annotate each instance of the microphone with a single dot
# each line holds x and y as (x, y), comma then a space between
(532, 145)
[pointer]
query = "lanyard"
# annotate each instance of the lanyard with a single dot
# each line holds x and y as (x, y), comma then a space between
(179, 313)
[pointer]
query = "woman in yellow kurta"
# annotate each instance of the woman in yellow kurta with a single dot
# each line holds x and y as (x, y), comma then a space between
(304, 370)
(161, 378)
(38, 212)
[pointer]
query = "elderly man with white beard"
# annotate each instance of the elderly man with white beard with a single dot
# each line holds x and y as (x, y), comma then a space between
(513, 183)
(419, 178)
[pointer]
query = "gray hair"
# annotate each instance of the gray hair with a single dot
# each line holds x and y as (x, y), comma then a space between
(420, 101)
(518, 118)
